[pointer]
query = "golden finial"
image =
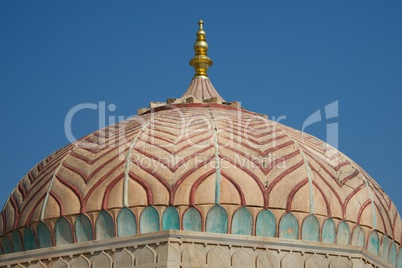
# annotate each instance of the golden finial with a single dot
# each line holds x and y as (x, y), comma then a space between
(201, 62)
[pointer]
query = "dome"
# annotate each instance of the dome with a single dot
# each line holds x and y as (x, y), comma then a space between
(198, 163)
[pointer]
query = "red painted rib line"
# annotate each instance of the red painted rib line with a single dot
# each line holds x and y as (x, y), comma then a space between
(351, 176)
(185, 176)
(59, 202)
(269, 150)
(145, 185)
(103, 178)
(166, 163)
(270, 166)
(247, 171)
(154, 174)
(34, 194)
(382, 218)
(72, 187)
(292, 194)
(76, 171)
(17, 213)
(197, 183)
(89, 161)
(28, 221)
(21, 189)
(353, 193)
(338, 167)
(30, 176)
(280, 176)
(386, 210)
(14, 203)
(90, 176)
(361, 210)
(111, 185)
(331, 188)
(329, 213)
(166, 149)
(259, 143)
(237, 186)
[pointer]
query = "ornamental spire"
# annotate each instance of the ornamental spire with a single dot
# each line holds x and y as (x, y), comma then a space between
(201, 62)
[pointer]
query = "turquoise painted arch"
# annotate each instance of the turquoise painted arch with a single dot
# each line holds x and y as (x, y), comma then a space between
(17, 241)
(44, 235)
(384, 251)
(266, 224)
(373, 243)
(149, 220)
(311, 228)
(399, 261)
(242, 222)
(289, 227)
(358, 237)
(192, 220)
(392, 254)
(83, 228)
(328, 231)
(217, 220)
(126, 222)
(29, 238)
(7, 246)
(104, 225)
(343, 235)
(170, 219)
(62, 232)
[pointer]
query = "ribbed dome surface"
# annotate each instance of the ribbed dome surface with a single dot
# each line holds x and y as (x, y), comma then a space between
(196, 158)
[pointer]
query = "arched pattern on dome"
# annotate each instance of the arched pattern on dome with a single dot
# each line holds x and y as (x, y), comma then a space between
(149, 220)
(266, 224)
(358, 237)
(311, 228)
(289, 227)
(242, 222)
(7, 247)
(17, 241)
(392, 254)
(328, 231)
(126, 223)
(343, 236)
(62, 232)
(29, 238)
(192, 220)
(83, 228)
(44, 236)
(399, 261)
(170, 219)
(104, 226)
(373, 245)
(384, 251)
(217, 220)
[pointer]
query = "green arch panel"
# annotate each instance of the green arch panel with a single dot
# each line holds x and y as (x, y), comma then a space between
(7, 247)
(217, 220)
(83, 228)
(289, 227)
(343, 236)
(44, 236)
(170, 219)
(384, 252)
(126, 223)
(17, 241)
(149, 220)
(192, 220)
(29, 239)
(62, 232)
(242, 222)
(328, 231)
(266, 224)
(311, 228)
(392, 254)
(399, 262)
(374, 243)
(104, 226)
(359, 237)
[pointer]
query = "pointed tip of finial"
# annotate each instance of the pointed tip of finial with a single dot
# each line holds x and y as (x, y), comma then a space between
(201, 62)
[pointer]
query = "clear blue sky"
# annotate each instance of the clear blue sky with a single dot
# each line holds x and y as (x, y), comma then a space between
(276, 57)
